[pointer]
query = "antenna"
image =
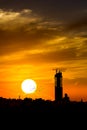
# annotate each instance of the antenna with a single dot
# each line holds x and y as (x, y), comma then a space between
(56, 69)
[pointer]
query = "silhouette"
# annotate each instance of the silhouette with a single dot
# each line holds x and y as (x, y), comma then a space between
(58, 86)
(44, 112)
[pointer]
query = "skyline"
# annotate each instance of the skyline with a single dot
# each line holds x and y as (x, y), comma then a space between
(38, 36)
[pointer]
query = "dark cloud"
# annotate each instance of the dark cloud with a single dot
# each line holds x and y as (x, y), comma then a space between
(60, 55)
(23, 32)
(69, 54)
(31, 35)
(78, 24)
(46, 57)
(13, 41)
(54, 56)
(53, 9)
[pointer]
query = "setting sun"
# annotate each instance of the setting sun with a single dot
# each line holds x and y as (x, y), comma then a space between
(28, 86)
(36, 38)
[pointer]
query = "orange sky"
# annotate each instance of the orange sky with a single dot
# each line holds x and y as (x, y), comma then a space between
(34, 42)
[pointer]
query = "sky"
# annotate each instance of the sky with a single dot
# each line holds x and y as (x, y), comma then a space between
(37, 36)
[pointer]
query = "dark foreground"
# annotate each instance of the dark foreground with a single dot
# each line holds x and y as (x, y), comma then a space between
(38, 113)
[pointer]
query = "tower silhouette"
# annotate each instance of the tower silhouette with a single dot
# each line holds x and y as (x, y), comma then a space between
(58, 85)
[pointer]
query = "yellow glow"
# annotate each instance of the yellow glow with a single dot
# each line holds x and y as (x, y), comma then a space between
(28, 86)
(57, 40)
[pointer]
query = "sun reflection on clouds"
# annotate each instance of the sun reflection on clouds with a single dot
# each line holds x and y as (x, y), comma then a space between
(16, 19)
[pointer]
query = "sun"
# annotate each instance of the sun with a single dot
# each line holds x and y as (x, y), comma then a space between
(28, 86)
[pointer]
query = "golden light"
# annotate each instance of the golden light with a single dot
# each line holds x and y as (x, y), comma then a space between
(28, 86)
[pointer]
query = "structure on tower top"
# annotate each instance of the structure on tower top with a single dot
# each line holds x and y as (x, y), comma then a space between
(56, 69)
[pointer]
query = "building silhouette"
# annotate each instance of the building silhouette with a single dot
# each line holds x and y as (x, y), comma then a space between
(58, 86)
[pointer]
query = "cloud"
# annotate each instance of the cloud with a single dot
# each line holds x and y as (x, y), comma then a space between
(10, 20)
(55, 55)
(78, 24)
(76, 27)
(38, 39)
(24, 30)
(58, 8)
